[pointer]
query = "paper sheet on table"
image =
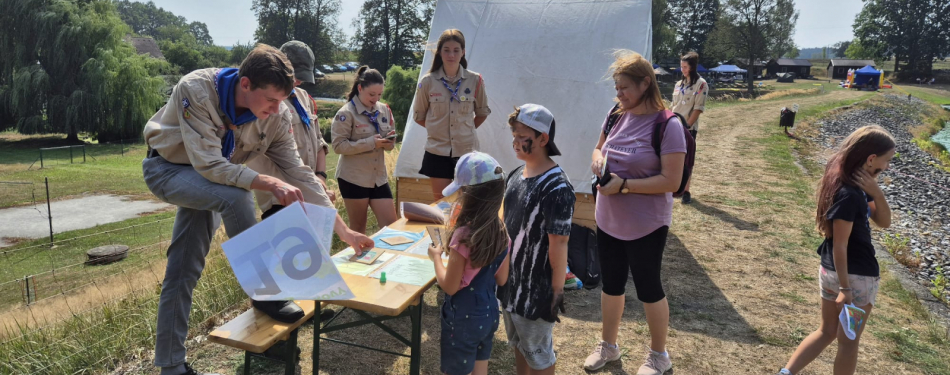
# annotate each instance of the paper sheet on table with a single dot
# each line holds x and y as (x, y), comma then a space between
(286, 257)
(407, 270)
(421, 247)
(852, 318)
(343, 263)
(387, 232)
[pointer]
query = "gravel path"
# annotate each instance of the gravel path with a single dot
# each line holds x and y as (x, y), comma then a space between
(917, 191)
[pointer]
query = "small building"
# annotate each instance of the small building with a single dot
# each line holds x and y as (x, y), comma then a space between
(757, 69)
(801, 67)
(145, 46)
(838, 68)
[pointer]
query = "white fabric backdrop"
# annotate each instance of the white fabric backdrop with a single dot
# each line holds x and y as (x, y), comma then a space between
(550, 52)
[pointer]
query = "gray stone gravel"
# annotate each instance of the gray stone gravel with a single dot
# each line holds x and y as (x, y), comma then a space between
(918, 192)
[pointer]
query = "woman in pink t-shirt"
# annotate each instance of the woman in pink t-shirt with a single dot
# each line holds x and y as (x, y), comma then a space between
(634, 209)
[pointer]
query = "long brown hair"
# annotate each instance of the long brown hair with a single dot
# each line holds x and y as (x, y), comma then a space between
(365, 76)
(852, 153)
(450, 35)
(633, 66)
(692, 59)
(487, 237)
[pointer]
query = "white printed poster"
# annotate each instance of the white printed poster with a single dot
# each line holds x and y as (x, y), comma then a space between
(287, 257)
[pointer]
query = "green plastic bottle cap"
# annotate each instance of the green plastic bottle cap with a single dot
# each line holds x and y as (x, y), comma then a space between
(382, 277)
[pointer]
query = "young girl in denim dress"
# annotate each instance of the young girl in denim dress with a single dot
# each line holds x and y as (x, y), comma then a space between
(478, 261)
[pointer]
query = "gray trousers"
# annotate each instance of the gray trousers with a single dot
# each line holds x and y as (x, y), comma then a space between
(202, 205)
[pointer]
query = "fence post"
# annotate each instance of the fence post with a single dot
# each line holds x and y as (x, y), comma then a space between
(122, 147)
(49, 212)
(41, 158)
(83, 153)
(70, 154)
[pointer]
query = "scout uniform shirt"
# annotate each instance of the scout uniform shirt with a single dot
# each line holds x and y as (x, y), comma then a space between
(686, 99)
(353, 136)
(189, 129)
(309, 143)
(449, 118)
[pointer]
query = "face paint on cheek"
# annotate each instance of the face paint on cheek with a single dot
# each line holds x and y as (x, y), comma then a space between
(527, 145)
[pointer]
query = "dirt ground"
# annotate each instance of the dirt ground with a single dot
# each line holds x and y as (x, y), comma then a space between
(739, 272)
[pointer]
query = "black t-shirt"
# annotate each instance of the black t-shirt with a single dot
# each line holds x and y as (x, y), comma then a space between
(851, 204)
(534, 208)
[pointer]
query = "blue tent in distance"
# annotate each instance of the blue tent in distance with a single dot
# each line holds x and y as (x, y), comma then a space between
(867, 75)
(727, 69)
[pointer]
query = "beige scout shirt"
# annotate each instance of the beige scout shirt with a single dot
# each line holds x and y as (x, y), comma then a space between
(192, 136)
(687, 99)
(450, 123)
(354, 138)
(309, 143)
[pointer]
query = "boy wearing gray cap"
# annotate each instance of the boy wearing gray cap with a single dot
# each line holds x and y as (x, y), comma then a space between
(539, 204)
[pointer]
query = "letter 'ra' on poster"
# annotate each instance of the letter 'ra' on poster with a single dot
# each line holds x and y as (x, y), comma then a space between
(286, 257)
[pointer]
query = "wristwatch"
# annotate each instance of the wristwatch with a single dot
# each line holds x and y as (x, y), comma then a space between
(321, 173)
(623, 187)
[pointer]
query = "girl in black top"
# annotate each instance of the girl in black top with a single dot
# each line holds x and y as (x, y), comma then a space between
(848, 198)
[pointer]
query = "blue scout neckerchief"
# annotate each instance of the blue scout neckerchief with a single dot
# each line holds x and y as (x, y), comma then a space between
(455, 94)
(304, 116)
(224, 83)
(373, 117)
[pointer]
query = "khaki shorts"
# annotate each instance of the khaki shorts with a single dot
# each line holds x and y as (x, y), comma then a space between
(863, 288)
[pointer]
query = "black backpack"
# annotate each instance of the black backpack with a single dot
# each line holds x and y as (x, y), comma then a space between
(658, 130)
(582, 256)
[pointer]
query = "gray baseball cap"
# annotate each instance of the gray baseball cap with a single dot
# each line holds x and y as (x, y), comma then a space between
(536, 117)
(301, 57)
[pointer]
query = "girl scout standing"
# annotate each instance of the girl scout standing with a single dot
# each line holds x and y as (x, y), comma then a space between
(362, 131)
(450, 103)
(689, 99)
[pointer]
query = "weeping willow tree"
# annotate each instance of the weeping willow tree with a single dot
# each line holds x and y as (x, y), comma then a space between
(67, 70)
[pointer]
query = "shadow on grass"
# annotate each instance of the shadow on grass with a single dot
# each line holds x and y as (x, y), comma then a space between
(697, 305)
(724, 216)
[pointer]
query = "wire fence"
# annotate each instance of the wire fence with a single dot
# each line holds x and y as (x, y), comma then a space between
(50, 157)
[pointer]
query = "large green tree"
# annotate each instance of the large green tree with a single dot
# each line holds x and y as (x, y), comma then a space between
(188, 46)
(392, 32)
(913, 32)
(664, 35)
(310, 21)
(693, 21)
(67, 70)
(757, 29)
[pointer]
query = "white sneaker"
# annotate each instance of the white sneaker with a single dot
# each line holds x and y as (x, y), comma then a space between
(602, 354)
(656, 364)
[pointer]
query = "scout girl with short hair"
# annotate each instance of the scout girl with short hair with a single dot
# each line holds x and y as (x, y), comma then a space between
(450, 103)
(361, 134)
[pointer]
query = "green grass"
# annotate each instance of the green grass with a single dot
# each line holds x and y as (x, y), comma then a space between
(928, 95)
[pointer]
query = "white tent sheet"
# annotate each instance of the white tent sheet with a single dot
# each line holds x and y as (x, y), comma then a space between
(550, 52)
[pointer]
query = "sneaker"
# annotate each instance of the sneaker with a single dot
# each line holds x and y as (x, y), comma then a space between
(191, 371)
(656, 364)
(602, 354)
(686, 198)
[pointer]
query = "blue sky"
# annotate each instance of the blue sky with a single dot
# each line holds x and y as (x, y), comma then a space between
(820, 22)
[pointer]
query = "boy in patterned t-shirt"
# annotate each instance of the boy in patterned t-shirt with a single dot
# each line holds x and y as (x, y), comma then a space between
(539, 204)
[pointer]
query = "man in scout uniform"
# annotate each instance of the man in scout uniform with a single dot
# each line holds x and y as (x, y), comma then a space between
(305, 127)
(215, 121)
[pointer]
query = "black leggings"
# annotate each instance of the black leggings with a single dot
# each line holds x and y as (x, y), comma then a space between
(641, 256)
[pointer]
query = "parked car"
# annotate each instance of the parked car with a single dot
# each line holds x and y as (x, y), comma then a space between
(353, 64)
(326, 68)
(350, 68)
(726, 79)
(339, 68)
(318, 74)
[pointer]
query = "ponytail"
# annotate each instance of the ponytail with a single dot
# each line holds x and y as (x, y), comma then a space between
(365, 77)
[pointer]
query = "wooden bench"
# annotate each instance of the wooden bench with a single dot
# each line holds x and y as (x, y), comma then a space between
(255, 332)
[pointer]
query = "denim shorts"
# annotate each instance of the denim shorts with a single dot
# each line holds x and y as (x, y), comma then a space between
(466, 337)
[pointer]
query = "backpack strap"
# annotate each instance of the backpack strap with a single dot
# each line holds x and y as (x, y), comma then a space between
(660, 128)
(512, 173)
(612, 118)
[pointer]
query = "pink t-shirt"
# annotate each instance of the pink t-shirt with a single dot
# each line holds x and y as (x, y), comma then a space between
(455, 244)
(630, 154)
